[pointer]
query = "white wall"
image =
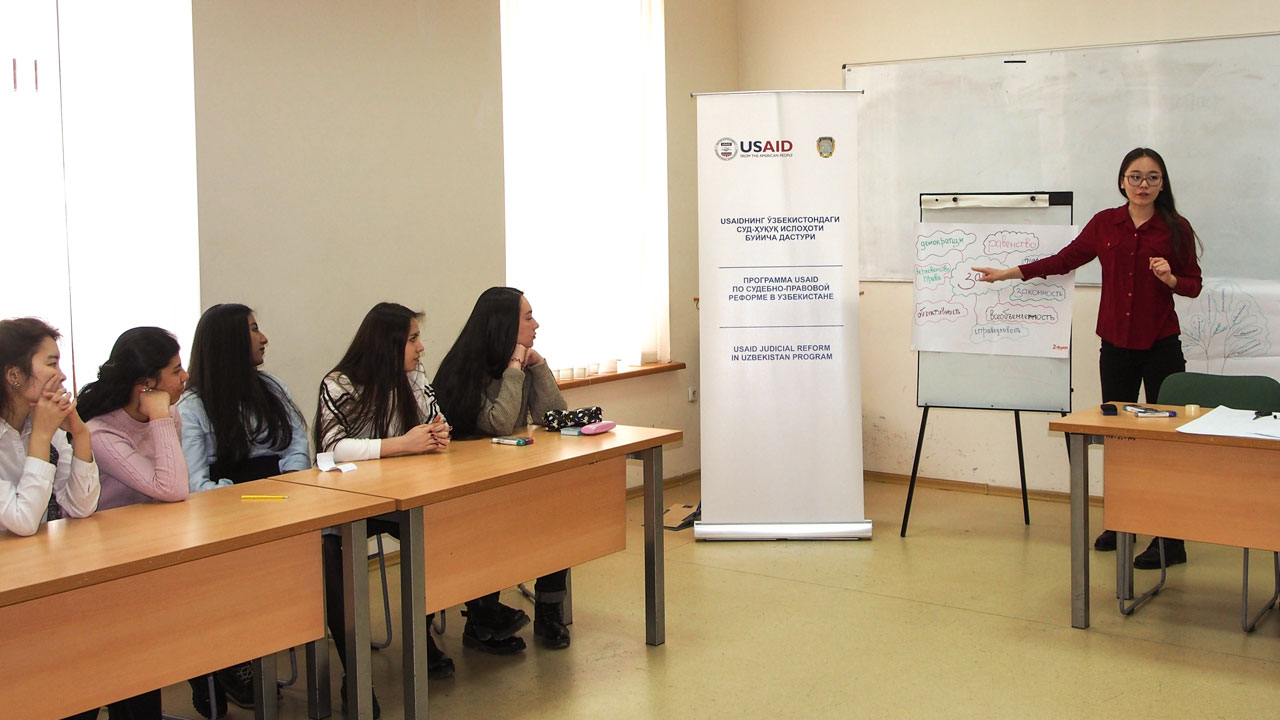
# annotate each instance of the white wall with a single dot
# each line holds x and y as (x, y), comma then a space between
(804, 43)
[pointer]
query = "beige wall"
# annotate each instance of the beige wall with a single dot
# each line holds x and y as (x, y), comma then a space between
(352, 152)
(804, 43)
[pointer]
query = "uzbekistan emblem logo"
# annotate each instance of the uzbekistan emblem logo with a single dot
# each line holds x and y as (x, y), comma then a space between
(726, 148)
(826, 146)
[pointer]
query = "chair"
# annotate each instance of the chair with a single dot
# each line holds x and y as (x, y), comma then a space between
(1242, 392)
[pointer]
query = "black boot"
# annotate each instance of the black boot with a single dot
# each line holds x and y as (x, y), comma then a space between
(439, 667)
(548, 625)
(200, 697)
(237, 681)
(1175, 553)
(491, 627)
(1106, 542)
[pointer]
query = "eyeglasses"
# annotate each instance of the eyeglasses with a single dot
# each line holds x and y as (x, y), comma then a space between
(1153, 180)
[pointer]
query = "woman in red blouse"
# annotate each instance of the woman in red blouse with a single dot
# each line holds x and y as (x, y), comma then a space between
(1148, 254)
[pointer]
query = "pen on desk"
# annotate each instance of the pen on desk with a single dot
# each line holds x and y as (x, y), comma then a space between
(264, 497)
(1262, 414)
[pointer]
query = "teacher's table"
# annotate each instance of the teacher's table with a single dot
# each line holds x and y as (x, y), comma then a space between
(1158, 481)
(480, 517)
(132, 599)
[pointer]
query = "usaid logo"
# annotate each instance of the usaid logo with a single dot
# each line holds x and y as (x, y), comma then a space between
(727, 148)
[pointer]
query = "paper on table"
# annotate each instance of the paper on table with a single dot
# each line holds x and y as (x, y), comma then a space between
(324, 461)
(1233, 423)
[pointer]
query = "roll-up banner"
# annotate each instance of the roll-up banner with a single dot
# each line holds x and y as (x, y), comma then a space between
(778, 287)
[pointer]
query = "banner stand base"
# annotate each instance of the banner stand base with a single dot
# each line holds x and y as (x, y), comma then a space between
(860, 530)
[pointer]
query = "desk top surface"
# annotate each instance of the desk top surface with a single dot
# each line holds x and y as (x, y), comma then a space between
(1125, 425)
(71, 553)
(470, 466)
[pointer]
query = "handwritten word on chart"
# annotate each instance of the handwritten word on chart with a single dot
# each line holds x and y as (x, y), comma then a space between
(956, 312)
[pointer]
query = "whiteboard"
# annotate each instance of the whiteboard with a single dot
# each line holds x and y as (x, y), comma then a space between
(1064, 119)
(994, 382)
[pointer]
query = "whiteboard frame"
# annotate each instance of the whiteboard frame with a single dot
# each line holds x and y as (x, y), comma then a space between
(938, 365)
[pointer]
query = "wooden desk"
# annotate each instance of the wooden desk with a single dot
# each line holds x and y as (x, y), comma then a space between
(1162, 482)
(480, 517)
(141, 597)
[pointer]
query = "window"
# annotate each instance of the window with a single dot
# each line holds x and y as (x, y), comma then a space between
(584, 130)
(98, 208)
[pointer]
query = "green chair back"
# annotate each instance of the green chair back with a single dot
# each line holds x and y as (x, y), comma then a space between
(1242, 392)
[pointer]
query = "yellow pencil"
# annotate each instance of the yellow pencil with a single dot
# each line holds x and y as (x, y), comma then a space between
(264, 497)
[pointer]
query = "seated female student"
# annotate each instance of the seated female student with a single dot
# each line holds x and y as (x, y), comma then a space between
(238, 424)
(489, 383)
(135, 439)
(36, 416)
(376, 403)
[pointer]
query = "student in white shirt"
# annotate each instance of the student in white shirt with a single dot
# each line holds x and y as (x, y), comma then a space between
(36, 416)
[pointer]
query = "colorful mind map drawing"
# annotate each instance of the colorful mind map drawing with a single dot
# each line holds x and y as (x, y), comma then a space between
(956, 312)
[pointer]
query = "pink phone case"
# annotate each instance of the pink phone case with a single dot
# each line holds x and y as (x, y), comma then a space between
(603, 426)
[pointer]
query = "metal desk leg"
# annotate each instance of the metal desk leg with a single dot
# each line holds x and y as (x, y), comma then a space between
(413, 619)
(318, 679)
(264, 688)
(655, 605)
(1079, 446)
(355, 590)
(566, 607)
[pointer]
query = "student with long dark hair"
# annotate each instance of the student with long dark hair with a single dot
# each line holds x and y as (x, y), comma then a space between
(376, 403)
(1148, 254)
(36, 416)
(130, 410)
(239, 423)
(490, 382)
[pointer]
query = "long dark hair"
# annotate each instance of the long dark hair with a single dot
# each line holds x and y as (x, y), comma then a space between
(478, 356)
(20, 338)
(244, 406)
(1184, 239)
(140, 353)
(374, 363)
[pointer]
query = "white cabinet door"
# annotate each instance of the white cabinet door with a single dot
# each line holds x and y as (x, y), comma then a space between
(33, 227)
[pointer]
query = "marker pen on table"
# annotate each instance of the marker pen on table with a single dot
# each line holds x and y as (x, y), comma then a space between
(264, 497)
(511, 441)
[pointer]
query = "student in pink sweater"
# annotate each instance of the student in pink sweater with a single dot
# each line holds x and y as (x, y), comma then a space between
(129, 410)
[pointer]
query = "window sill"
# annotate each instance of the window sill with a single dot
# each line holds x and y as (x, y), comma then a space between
(630, 372)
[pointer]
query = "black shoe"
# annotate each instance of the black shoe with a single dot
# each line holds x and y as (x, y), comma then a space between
(200, 697)
(549, 627)
(1175, 553)
(342, 692)
(1106, 542)
(472, 638)
(237, 681)
(491, 620)
(439, 667)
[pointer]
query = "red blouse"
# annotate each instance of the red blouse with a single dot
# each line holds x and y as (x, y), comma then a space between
(1136, 308)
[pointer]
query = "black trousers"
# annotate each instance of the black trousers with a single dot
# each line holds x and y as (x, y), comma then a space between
(1123, 371)
(548, 588)
(140, 707)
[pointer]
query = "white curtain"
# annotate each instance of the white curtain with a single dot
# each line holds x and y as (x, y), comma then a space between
(584, 127)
